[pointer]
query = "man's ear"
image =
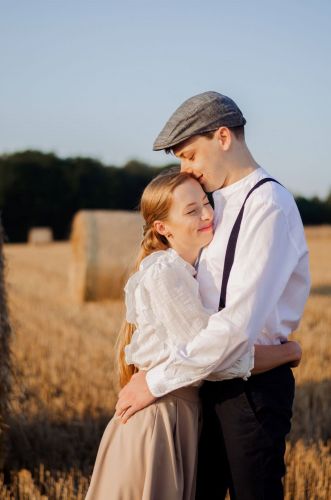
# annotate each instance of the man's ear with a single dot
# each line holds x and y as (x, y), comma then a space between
(224, 137)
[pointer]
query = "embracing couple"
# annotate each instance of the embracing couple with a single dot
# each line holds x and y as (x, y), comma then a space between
(221, 281)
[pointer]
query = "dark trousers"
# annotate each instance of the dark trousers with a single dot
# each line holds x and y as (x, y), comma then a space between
(242, 441)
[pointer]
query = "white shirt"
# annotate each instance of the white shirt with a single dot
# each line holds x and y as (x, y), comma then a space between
(268, 285)
(162, 300)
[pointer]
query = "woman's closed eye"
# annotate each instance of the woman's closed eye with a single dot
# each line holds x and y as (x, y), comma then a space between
(195, 209)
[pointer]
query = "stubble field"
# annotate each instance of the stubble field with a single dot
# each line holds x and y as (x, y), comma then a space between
(64, 386)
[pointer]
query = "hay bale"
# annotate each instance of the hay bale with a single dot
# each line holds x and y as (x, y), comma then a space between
(104, 244)
(5, 357)
(40, 235)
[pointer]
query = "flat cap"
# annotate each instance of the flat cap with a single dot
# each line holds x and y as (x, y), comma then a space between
(199, 114)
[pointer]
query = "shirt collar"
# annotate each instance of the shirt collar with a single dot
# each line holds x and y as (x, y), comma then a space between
(227, 191)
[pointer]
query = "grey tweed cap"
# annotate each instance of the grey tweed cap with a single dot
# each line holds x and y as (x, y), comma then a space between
(199, 114)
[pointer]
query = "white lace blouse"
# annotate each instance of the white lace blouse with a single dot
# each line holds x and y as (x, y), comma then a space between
(162, 301)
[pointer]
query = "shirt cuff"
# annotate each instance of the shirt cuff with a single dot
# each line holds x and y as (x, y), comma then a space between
(160, 385)
(251, 363)
(155, 381)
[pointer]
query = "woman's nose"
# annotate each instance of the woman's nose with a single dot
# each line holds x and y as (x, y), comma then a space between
(207, 213)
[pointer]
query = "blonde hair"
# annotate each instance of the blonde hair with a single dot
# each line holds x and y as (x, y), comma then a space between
(155, 204)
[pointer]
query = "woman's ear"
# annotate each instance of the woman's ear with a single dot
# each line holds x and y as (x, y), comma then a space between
(160, 227)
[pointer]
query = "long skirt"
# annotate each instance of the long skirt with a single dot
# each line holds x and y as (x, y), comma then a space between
(154, 455)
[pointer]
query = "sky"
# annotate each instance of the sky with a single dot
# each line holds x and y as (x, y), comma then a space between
(100, 78)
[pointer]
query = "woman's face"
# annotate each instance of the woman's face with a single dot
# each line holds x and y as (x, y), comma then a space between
(190, 220)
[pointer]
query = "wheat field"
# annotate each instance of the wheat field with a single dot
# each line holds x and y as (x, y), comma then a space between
(64, 387)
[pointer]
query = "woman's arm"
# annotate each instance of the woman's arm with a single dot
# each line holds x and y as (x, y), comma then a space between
(270, 356)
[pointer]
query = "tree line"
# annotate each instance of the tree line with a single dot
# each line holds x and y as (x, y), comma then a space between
(41, 189)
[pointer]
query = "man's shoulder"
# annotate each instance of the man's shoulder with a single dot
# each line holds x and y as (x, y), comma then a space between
(273, 194)
(274, 197)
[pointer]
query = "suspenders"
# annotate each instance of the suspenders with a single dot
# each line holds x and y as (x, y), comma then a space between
(231, 247)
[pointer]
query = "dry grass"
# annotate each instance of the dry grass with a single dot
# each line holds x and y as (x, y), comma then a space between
(64, 390)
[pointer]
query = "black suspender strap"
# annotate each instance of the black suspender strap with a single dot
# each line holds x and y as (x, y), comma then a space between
(231, 247)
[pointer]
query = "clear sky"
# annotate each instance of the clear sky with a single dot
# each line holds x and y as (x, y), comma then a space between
(100, 78)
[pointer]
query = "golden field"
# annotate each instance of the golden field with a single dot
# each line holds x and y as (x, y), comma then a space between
(64, 387)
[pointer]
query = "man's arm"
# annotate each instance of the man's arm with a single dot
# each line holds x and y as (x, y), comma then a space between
(136, 395)
(265, 259)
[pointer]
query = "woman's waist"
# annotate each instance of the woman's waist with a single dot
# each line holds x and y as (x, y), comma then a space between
(188, 393)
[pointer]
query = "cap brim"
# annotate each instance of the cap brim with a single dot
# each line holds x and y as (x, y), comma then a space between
(175, 142)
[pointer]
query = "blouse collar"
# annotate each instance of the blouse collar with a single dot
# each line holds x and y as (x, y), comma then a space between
(170, 255)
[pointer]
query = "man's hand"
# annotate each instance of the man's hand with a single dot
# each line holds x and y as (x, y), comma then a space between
(134, 397)
(296, 353)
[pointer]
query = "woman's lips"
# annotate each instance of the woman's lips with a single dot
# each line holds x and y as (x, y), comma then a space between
(206, 228)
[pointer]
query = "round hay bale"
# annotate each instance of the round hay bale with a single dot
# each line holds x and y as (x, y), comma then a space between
(105, 244)
(40, 235)
(5, 357)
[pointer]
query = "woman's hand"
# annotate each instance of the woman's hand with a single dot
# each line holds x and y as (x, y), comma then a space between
(134, 396)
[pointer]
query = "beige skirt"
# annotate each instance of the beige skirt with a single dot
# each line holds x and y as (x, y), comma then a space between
(154, 455)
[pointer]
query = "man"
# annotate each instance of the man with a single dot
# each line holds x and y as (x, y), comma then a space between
(257, 284)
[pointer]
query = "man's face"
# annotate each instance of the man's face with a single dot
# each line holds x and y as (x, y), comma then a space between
(202, 157)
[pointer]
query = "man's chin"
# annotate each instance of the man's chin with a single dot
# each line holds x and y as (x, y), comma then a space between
(204, 184)
(206, 187)
(209, 188)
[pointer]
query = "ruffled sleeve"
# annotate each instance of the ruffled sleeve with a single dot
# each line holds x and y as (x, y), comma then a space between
(130, 303)
(175, 307)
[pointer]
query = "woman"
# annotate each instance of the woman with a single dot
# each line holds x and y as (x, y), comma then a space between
(154, 455)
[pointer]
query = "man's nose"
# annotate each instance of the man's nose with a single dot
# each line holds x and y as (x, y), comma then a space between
(185, 168)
